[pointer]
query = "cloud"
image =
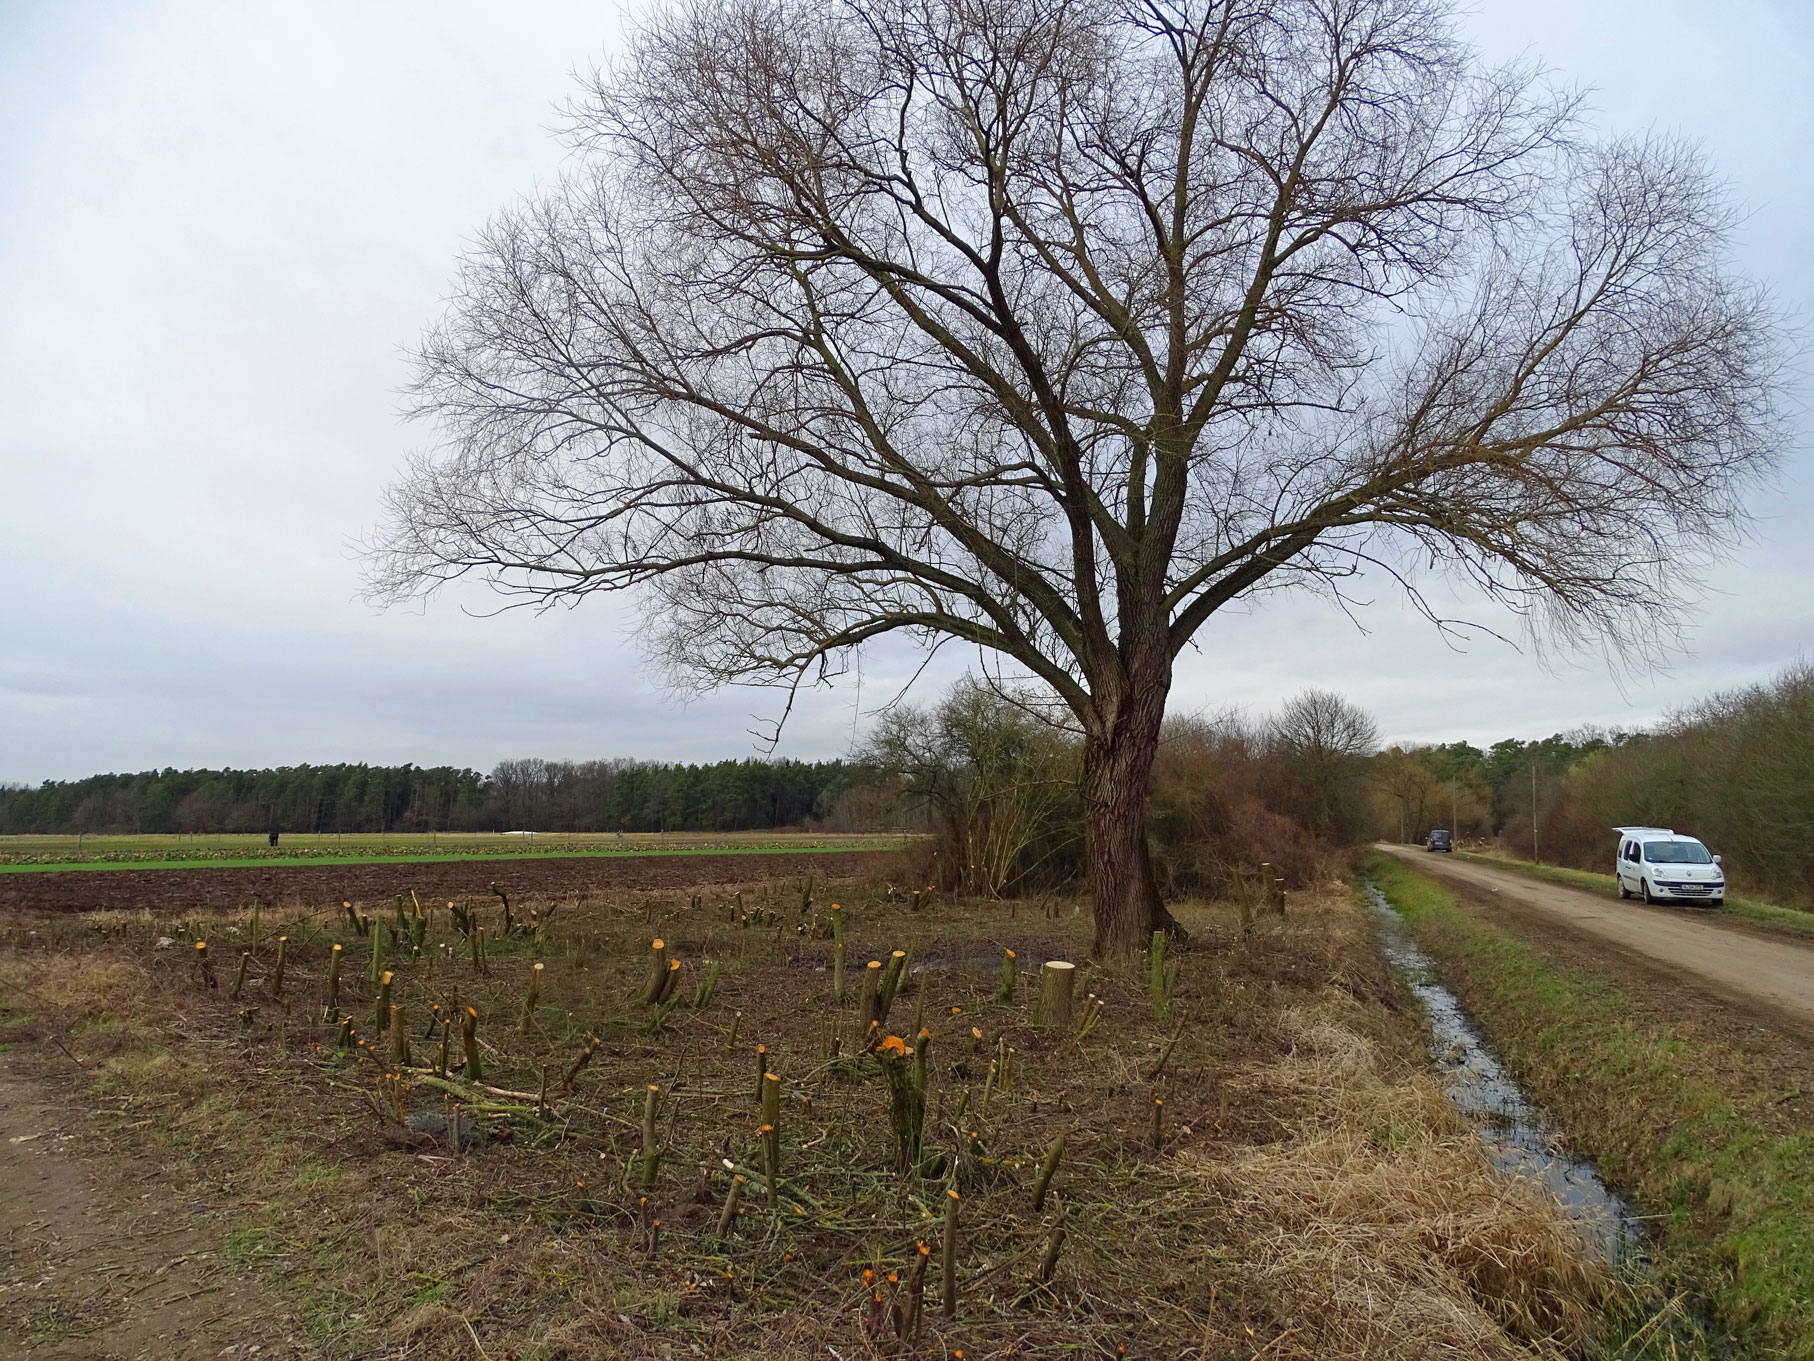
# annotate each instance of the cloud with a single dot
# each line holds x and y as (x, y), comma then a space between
(221, 225)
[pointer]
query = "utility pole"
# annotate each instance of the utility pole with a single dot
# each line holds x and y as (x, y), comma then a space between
(1534, 855)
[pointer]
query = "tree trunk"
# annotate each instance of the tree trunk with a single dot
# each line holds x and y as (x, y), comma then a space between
(1123, 892)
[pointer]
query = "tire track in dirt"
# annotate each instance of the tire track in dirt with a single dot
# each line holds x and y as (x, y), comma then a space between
(96, 1267)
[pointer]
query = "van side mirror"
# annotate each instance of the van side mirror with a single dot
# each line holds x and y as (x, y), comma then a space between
(1719, 859)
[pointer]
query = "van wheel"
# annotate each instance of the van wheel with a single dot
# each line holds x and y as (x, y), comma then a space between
(1644, 884)
(1623, 891)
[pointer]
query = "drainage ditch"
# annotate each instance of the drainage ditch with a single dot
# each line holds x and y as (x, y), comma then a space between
(1520, 1142)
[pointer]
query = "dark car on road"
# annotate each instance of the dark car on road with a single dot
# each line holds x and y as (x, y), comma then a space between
(1439, 840)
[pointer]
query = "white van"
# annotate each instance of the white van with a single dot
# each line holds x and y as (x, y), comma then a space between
(1662, 867)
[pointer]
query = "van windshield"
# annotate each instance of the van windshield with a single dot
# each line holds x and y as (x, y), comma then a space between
(1676, 853)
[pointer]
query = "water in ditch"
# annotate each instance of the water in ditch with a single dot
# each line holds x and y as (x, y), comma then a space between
(1520, 1143)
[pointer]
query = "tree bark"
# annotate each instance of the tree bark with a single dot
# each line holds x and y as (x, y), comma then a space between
(1117, 766)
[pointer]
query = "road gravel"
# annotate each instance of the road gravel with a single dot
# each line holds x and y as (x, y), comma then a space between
(1753, 969)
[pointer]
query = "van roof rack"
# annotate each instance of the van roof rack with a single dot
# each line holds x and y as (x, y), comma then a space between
(1666, 831)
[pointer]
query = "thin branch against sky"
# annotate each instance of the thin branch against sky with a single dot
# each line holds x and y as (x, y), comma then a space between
(217, 228)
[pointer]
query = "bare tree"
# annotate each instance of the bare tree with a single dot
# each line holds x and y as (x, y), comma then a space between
(1056, 326)
(1410, 788)
(999, 781)
(1321, 743)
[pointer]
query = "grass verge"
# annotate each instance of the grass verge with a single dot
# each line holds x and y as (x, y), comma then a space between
(1791, 921)
(1728, 1189)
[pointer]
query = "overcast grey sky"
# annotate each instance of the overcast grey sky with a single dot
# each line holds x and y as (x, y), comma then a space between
(220, 225)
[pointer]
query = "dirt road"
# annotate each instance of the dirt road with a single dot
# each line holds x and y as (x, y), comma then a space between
(102, 1258)
(1748, 968)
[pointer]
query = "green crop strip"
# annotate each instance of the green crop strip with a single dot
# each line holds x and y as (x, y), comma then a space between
(1734, 1200)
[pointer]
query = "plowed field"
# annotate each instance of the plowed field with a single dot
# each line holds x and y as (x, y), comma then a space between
(178, 890)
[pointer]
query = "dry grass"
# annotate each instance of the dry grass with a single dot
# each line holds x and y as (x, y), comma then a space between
(1690, 1109)
(88, 1000)
(1378, 1229)
(1315, 1195)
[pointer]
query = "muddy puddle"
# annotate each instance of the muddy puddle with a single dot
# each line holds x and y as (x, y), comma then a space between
(1518, 1139)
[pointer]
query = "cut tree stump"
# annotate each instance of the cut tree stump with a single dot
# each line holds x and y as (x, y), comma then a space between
(1057, 985)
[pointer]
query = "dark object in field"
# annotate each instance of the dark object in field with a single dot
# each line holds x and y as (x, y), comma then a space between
(895, 976)
(909, 1330)
(866, 998)
(585, 1057)
(530, 998)
(771, 1135)
(273, 836)
(663, 974)
(837, 954)
(731, 1197)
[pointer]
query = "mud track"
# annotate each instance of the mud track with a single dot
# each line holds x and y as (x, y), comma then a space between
(103, 1257)
(181, 890)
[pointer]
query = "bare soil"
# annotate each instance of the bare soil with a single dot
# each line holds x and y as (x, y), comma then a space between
(183, 890)
(101, 1259)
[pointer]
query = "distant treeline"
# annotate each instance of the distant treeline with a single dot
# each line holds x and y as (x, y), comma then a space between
(1736, 770)
(556, 796)
(1480, 793)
